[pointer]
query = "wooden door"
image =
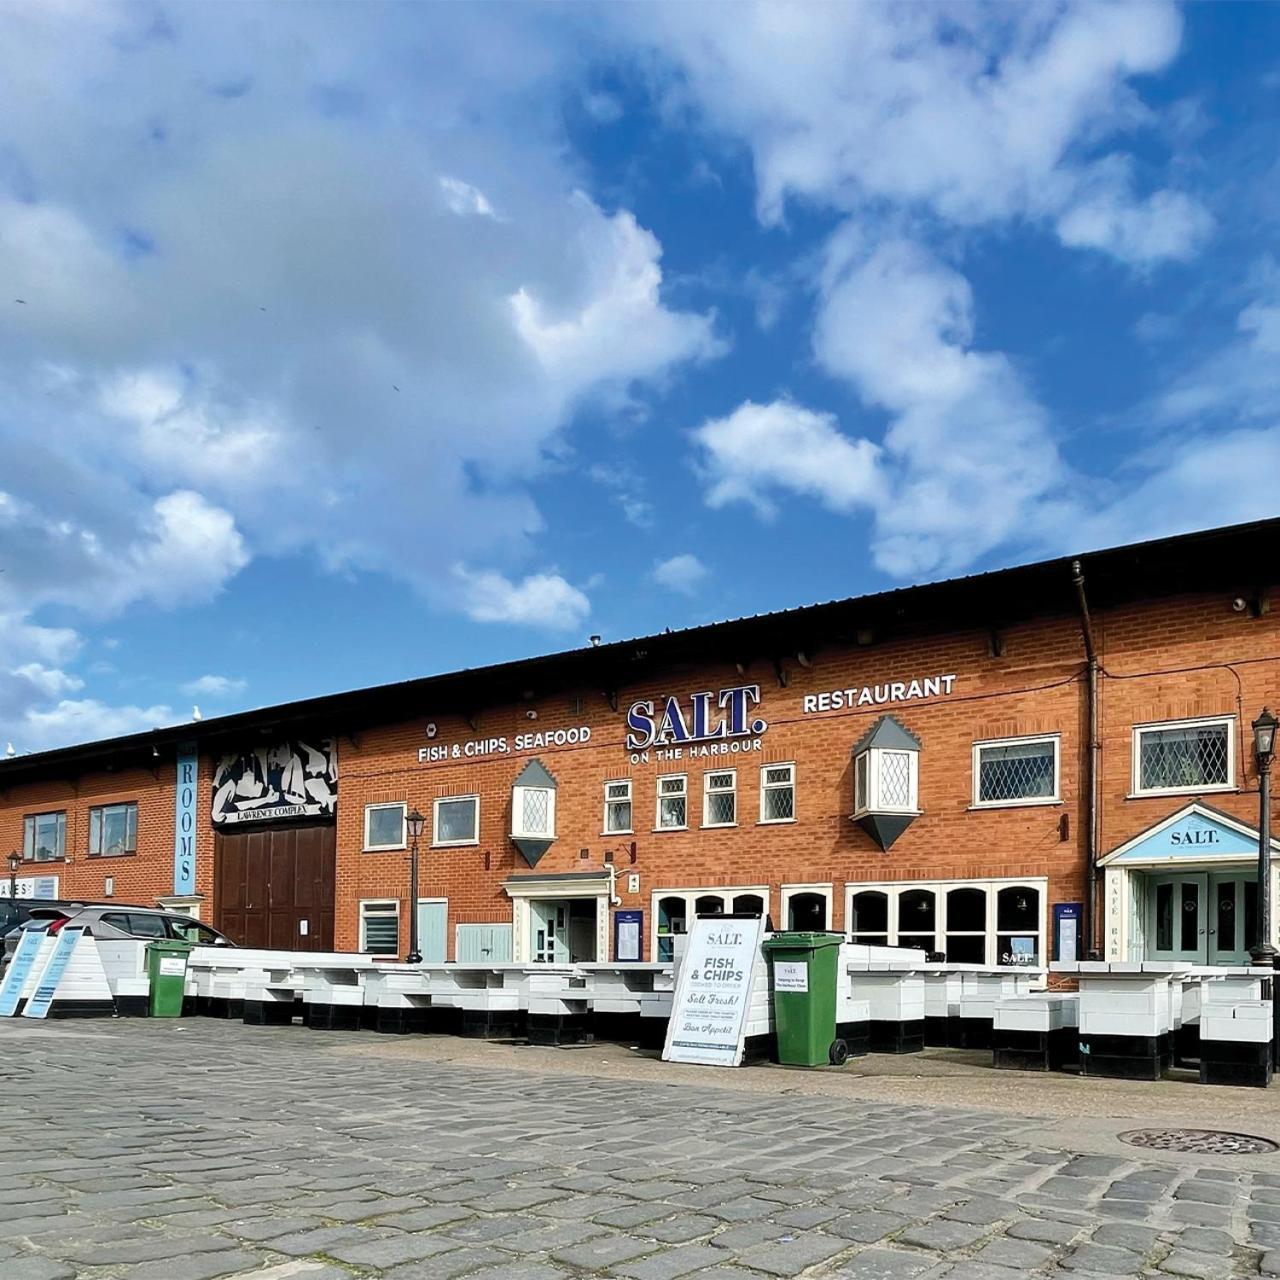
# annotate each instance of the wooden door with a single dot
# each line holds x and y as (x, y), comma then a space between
(275, 887)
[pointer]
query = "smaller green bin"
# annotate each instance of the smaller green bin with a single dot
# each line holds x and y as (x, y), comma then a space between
(167, 970)
(802, 974)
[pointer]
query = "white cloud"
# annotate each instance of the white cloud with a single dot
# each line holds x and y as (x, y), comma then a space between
(974, 113)
(761, 449)
(294, 319)
(539, 600)
(48, 681)
(213, 686)
(87, 720)
(684, 573)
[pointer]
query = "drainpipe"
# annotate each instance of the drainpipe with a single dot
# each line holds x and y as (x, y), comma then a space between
(1095, 750)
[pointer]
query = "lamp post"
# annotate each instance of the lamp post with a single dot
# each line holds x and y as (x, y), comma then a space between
(1264, 746)
(15, 861)
(414, 823)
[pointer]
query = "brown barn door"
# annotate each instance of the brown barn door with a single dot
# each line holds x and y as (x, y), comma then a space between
(275, 888)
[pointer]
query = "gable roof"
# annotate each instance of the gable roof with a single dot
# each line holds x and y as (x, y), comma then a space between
(1195, 831)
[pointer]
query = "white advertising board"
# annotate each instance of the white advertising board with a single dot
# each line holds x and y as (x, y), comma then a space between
(713, 991)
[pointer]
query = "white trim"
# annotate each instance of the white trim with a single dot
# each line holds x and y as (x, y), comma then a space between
(436, 842)
(871, 801)
(629, 830)
(1056, 798)
(894, 889)
(1136, 790)
(789, 891)
(724, 791)
(378, 902)
(659, 797)
(386, 804)
(1202, 811)
(690, 897)
(517, 803)
(777, 786)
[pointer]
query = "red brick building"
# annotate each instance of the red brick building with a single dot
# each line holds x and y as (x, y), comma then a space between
(914, 766)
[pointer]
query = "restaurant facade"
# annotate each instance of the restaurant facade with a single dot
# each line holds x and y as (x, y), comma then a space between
(1037, 763)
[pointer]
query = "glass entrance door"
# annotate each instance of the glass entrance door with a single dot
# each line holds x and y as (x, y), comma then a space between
(1233, 917)
(1178, 918)
(548, 924)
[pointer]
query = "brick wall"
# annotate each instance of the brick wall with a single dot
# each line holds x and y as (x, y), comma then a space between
(1166, 660)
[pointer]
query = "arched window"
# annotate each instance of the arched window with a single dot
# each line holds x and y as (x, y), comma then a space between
(967, 926)
(807, 911)
(869, 917)
(1018, 925)
(918, 919)
(748, 904)
(710, 904)
(671, 922)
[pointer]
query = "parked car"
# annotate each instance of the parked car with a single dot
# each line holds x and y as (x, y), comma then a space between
(114, 921)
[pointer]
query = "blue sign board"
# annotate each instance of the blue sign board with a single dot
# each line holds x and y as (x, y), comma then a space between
(184, 824)
(1066, 930)
(19, 970)
(47, 983)
(628, 935)
(1192, 834)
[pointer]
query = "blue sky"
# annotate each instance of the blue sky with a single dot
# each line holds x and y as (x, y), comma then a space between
(342, 344)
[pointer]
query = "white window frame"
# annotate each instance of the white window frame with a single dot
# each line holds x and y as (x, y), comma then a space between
(1135, 782)
(1055, 739)
(436, 842)
(871, 801)
(659, 797)
(629, 829)
(518, 831)
(894, 889)
(789, 891)
(363, 916)
(29, 845)
(707, 793)
(690, 897)
(777, 786)
(370, 847)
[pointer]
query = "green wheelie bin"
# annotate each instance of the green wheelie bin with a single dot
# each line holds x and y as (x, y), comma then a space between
(802, 972)
(167, 970)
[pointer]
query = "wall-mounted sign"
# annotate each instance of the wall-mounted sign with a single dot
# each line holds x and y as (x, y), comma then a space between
(479, 748)
(292, 779)
(184, 825)
(715, 724)
(877, 695)
(31, 887)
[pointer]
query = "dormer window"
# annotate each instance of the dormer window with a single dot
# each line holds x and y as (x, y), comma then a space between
(533, 811)
(886, 780)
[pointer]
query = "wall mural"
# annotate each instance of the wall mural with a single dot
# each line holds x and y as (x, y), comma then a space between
(292, 779)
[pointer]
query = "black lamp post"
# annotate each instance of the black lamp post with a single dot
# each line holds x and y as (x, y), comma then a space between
(15, 861)
(1264, 746)
(414, 823)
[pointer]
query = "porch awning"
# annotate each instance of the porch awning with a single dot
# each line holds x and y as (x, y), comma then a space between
(1195, 833)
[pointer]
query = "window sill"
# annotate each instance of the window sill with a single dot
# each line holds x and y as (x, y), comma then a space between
(775, 822)
(455, 844)
(111, 857)
(533, 835)
(718, 826)
(1217, 790)
(44, 862)
(659, 830)
(1016, 804)
(886, 813)
(606, 834)
(384, 848)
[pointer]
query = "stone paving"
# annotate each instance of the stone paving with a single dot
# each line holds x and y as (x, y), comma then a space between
(165, 1151)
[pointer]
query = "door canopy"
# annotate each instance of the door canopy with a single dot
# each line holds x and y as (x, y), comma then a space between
(1195, 833)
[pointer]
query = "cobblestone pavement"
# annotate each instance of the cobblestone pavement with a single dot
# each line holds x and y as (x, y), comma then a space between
(189, 1151)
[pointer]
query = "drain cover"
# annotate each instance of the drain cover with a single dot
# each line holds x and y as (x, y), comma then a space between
(1213, 1142)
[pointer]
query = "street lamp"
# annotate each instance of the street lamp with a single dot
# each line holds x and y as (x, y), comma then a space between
(1264, 746)
(414, 823)
(15, 861)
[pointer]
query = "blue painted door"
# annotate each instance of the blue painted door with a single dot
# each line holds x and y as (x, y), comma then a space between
(432, 922)
(484, 944)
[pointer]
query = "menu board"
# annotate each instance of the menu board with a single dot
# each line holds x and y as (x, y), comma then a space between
(713, 991)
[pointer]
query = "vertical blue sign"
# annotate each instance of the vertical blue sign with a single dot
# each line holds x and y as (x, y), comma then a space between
(184, 822)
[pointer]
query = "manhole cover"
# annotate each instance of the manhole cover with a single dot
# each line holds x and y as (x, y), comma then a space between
(1213, 1142)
